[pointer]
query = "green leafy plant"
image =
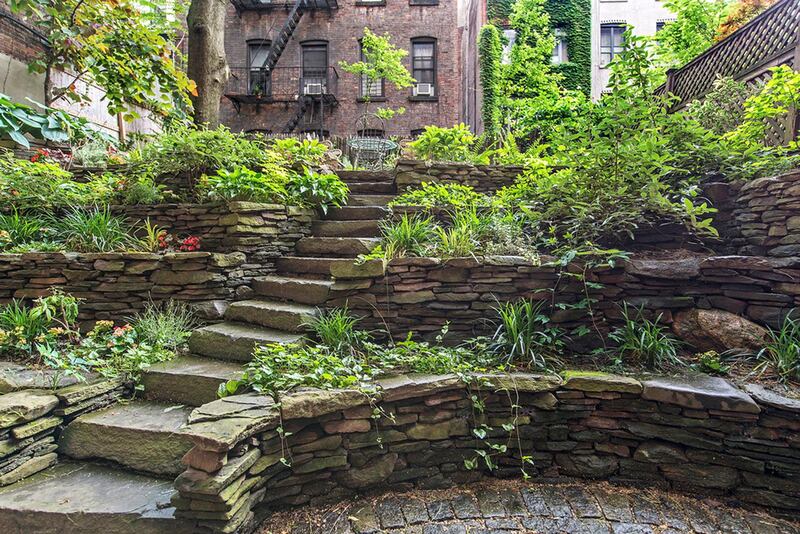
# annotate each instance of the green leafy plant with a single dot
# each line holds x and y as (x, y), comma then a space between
(300, 153)
(94, 230)
(319, 190)
(711, 363)
(166, 325)
(449, 144)
(242, 183)
(19, 229)
(409, 236)
(525, 334)
(17, 120)
(336, 329)
(721, 110)
(644, 341)
(782, 350)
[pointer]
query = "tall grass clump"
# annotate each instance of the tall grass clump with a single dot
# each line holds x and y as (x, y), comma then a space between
(782, 350)
(94, 230)
(167, 325)
(525, 333)
(645, 341)
(410, 236)
(336, 329)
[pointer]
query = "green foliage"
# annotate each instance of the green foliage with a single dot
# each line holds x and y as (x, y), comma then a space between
(300, 153)
(721, 110)
(124, 49)
(93, 154)
(645, 342)
(449, 144)
(410, 236)
(381, 61)
(186, 151)
(782, 350)
(94, 230)
(525, 334)
(490, 50)
(574, 17)
(711, 363)
(17, 229)
(166, 325)
(242, 183)
(441, 195)
(26, 184)
(318, 190)
(16, 120)
(692, 31)
(779, 94)
(336, 329)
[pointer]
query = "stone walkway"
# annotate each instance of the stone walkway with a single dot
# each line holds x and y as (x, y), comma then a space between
(500, 507)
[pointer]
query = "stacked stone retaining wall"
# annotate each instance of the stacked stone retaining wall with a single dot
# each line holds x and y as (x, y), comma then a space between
(113, 286)
(483, 178)
(263, 232)
(697, 435)
(424, 294)
(30, 419)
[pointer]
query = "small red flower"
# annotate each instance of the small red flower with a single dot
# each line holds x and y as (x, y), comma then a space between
(190, 244)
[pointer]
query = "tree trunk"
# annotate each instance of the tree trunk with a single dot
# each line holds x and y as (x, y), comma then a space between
(207, 65)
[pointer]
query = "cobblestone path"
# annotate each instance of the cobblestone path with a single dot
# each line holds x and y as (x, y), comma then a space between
(502, 507)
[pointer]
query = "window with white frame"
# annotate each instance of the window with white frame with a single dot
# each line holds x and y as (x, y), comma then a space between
(612, 41)
(423, 63)
(559, 55)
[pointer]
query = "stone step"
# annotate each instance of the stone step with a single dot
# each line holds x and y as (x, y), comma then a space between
(372, 188)
(232, 341)
(366, 228)
(83, 497)
(293, 265)
(282, 316)
(347, 247)
(350, 177)
(142, 436)
(357, 213)
(189, 380)
(301, 290)
(369, 200)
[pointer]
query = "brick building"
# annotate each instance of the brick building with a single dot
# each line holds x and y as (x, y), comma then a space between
(285, 75)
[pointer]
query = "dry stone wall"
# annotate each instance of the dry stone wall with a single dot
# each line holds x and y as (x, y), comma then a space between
(697, 435)
(263, 232)
(31, 418)
(423, 294)
(113, 286)
(483, 178)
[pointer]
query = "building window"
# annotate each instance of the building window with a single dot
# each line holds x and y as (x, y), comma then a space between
(370, 88)
(423, 66)
(559, 55)
(508, 43)
(612, 41)
(258, 78)
(315, 66)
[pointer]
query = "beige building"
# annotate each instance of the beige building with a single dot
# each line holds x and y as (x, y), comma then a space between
(609, 20)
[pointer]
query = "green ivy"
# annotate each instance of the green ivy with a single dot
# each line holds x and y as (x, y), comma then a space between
(574, 16)
(489, 50)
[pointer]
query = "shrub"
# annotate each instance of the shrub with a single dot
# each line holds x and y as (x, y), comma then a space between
(192, 152)
(721, 110)
(438, 195)
(26, 184)
(92, 154)
(449, 144)
(166, 325)
(300, 153)
(525, 334)
(318, 190)
(410, 236)
(94, 230)
(644, 341)
(782, 350)
(242, 183)
(20, 229)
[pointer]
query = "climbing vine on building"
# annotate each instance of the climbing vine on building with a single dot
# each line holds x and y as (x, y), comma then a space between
(574, 17)
(490, 49)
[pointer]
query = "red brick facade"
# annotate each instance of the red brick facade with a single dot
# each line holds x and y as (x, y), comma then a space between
(452, 23)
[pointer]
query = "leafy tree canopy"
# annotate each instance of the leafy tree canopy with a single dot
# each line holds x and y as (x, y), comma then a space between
(123, 47)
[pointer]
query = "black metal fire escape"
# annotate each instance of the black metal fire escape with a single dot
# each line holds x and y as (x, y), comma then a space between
(282, 41)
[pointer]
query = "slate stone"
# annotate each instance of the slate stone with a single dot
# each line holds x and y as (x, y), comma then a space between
(221, 424)
(373, 472)
(311, 403)
(597, 382)
(410, 386)
(23, 406)
(659, 453)
(699, 393)
(770, 398)
(521, 382)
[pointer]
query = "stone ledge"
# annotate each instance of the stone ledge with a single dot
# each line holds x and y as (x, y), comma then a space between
(701, 393)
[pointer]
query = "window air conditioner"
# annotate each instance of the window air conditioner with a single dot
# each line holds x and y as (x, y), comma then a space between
(423, 89)
(313, 89)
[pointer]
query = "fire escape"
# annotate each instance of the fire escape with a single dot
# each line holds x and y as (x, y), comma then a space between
(307, 88)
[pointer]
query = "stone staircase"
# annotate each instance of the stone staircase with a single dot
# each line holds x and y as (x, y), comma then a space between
(132, 452)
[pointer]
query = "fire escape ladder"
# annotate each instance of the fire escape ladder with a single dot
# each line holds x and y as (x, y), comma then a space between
(303, 103)
(282, 41)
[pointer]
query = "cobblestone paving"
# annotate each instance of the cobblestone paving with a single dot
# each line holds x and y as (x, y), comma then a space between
(501, 507)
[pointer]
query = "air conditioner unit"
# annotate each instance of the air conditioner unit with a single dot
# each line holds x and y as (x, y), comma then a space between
(423, 89)
(313, 89)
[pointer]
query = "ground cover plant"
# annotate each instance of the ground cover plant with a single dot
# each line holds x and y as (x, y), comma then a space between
(46, 335)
